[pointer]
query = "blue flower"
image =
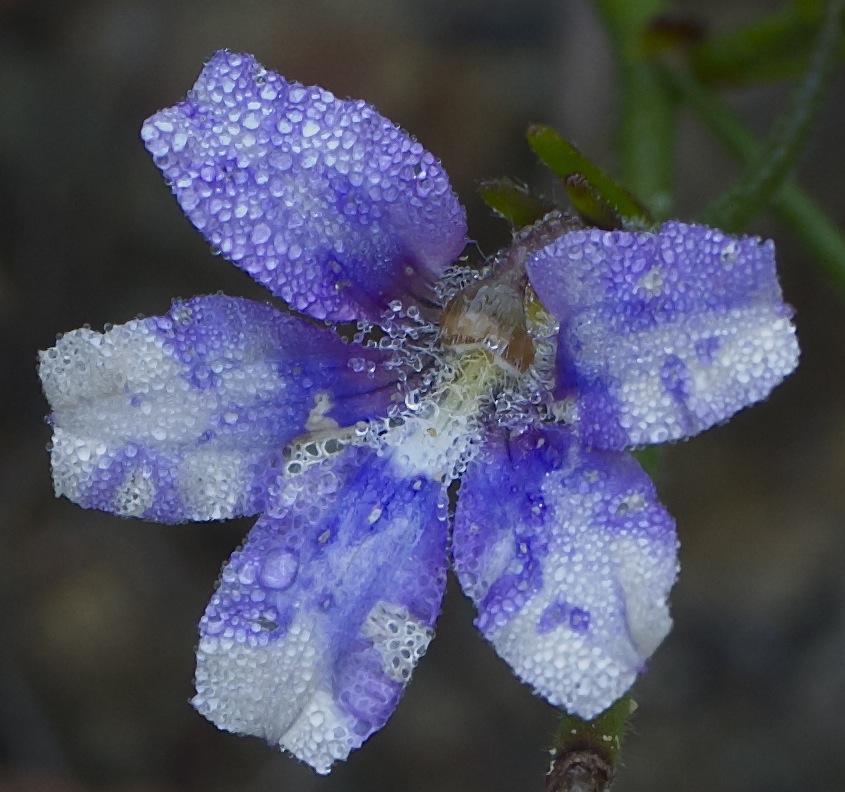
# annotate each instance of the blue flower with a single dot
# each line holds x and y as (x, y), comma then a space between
(528, 380)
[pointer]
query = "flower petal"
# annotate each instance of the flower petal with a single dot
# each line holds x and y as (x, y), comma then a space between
(323, 201)
(665, 334)
(182, 417)
(569, 558)
(319, 620)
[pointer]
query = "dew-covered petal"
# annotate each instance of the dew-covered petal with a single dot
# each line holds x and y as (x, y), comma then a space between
(319, 620)
(183, 416)
(569, 558)
(665, 334)
(323, 201)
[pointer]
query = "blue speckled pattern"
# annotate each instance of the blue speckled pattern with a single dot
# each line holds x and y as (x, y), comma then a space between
(320, 618)
(570, 558)
(665, 334)
(325, 202)
(184, 416)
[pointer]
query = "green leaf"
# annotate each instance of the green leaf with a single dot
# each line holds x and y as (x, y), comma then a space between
(514, 201)
(565, 160)
(591, 207)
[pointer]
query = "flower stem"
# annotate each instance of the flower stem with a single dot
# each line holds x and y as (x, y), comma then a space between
(585, 752)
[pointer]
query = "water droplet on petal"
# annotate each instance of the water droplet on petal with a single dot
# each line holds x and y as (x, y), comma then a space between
(279, 569)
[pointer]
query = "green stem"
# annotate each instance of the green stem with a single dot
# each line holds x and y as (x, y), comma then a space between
(767, 171)
(585, 752)
(646, 137)
(647, 111)
(807, 221)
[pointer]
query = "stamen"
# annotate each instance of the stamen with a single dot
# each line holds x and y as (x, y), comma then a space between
(490, 314)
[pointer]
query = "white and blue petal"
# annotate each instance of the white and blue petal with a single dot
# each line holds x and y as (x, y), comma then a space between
(320, 618)
(569, 558)
(185, 416)
(325, 202)
(664, 334)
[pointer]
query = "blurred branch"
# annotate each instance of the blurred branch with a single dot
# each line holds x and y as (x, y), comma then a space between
(766, 171)
(778, 46)
(646, 135)
(793, 206)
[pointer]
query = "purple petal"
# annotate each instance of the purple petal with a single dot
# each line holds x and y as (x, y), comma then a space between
(569, 558)
(319, 620)
(325, 202)
(663, 335)
(184, 416)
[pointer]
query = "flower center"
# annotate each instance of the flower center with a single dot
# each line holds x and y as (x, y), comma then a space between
(490, 315)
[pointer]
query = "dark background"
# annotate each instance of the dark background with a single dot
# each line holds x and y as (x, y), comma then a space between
(98, 615)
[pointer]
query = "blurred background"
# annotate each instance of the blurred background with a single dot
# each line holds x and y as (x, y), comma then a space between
(98, 615)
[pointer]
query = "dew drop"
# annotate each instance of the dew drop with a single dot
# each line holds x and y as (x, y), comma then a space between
(279, 569)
